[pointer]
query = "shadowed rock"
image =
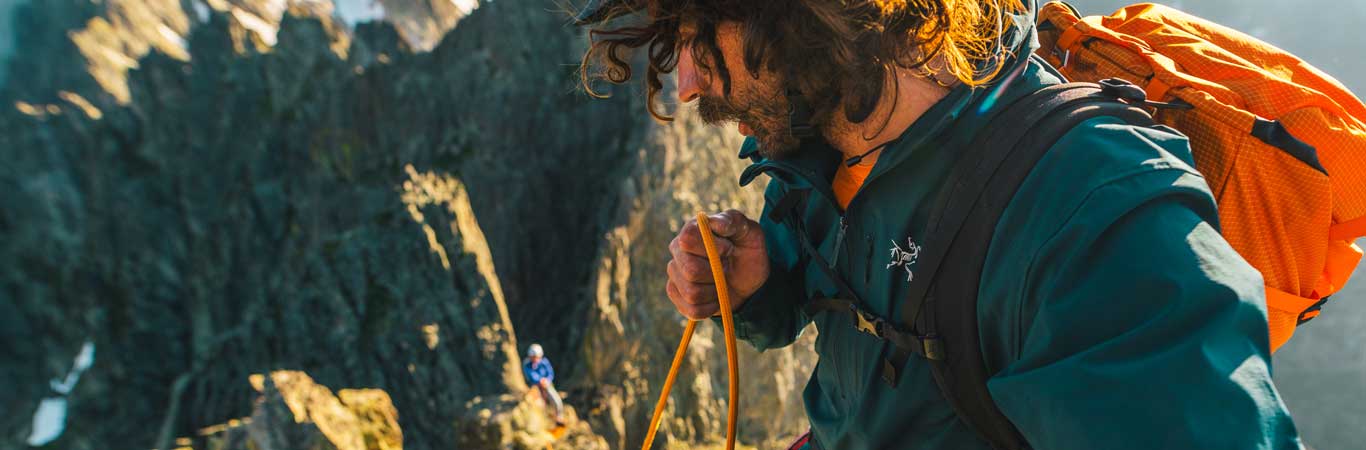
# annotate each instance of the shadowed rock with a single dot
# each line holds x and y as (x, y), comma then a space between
(312, 209)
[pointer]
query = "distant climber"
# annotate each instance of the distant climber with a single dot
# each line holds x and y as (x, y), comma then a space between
(539, 373)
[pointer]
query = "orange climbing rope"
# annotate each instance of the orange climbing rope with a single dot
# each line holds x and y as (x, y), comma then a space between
(727, 324)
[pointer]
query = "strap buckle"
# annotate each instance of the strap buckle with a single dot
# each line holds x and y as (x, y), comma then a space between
(930, 346)
(1132, 94)
(867, 323)
(1312, 311)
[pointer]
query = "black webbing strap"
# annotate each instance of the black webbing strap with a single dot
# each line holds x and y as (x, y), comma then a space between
(1273, 133)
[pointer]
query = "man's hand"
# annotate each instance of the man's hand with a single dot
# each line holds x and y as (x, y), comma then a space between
(545, 382)
(744, 260)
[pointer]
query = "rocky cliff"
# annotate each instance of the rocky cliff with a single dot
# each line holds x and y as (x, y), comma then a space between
(223, 224)
(210, 190)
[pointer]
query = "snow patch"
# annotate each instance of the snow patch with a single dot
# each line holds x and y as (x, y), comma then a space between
(465, 6)
(202, 11)
(50, 419)
(353, 12)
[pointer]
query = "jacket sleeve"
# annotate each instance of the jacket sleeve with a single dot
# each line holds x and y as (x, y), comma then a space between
(531, 376)
(549, 372)
(1143, 329)
(774, 316)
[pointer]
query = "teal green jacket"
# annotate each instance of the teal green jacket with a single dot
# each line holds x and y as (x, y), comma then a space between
(1111, 310)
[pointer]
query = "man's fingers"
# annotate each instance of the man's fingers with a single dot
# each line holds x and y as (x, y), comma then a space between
(696, 293)
(685, 306)
(690, 241)
(699, 312)
(674, 295)
(690, 268)
(683, 293)
(691, 287)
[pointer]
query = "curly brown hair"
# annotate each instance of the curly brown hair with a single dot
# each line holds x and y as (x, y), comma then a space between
(842, 50)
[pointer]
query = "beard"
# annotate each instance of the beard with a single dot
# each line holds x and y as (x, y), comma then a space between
(767, 117)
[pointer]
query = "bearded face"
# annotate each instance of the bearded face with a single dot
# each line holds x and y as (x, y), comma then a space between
(763, 116)
(758, 105)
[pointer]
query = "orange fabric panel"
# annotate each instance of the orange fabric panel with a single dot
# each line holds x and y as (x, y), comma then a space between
(1168, 48)
(1343, 258)
(1283, 315)
(1349, 230)
(1341, 145)
(1273, 209)
(848, 180)
(1288, 219)
(1284, 309)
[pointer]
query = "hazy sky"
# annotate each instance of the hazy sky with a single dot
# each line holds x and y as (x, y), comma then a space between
(1326, 33)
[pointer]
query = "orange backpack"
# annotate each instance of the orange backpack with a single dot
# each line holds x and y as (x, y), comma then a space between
(1282, 144)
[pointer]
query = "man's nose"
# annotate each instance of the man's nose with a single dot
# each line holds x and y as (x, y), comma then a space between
(689, 78)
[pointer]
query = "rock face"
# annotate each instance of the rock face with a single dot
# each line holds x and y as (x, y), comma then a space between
(88, 46)
(225, 223)
(294, 413)
(522, 422)
(285, 195)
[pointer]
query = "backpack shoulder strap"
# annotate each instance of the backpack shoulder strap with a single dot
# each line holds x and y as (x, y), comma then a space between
(943, 298)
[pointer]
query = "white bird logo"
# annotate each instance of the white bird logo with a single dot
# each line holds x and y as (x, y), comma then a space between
(904, 258)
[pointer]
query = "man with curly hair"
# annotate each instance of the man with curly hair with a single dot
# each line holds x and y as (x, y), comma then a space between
(1110, 312)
